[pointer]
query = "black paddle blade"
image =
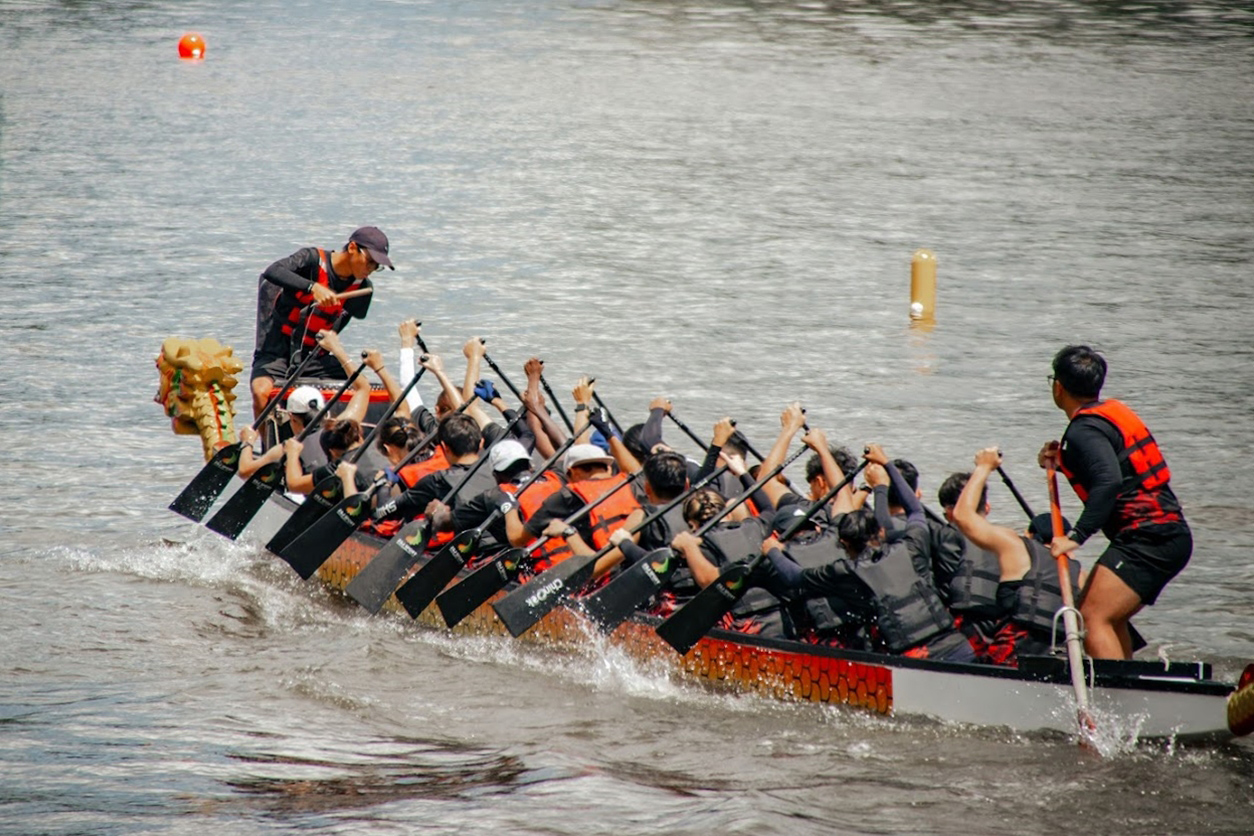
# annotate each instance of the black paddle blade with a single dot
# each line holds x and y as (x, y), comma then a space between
(375, 583)
(532, 601)
(198, 496)
(238, 511)
(689, 623)
(612, 604)
(312, 547)
(461, 600)
(325, 496)
(420, 590)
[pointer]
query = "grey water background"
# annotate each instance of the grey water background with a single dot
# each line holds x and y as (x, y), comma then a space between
(712, 201)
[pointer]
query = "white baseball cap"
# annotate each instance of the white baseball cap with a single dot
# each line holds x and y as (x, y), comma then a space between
(585, 454)
(304, 400)
(505, 453)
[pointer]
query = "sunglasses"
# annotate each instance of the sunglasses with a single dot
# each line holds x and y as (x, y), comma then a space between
(377, 266)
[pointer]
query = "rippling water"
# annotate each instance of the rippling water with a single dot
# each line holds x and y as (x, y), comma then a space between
(712, 201)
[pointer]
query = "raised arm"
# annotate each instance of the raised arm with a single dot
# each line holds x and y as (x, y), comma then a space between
(249, 463)
(538, 417)
(473, 350)
(374, 359)
(360, 402)
(409, 338)
(791, 420)
(1012, 555)
(914, 509)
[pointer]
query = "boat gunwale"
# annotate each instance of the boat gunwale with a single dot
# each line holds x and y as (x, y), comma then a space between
(1146, 680)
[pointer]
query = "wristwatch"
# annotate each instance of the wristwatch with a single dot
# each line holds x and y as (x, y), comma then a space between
(581, 407)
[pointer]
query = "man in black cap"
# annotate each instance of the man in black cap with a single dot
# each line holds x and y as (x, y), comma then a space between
(305, 293)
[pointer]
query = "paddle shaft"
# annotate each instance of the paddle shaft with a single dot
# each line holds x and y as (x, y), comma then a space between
(327, 493)
(805, 518)
(608, 414)
(430, 580)
(426, 583)
(685, 627)
(1023, 503)
(1075, 648)
(504, 378)
(196, 498)
(557, 403)
(243, 505)
(705, 446)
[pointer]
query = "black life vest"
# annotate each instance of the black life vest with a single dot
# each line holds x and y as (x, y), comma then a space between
(736, 543)
(908, 610)
(826, 615)
(319, 319)
(1039, 596)
(973, 588)
(1144, 497)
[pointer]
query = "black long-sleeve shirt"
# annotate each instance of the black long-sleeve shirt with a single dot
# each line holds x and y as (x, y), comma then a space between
(1090, 452)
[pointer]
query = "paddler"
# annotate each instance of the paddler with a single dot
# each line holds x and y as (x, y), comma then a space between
(310, 277)
(879, 580)
(1114, 464)
(1006, 586)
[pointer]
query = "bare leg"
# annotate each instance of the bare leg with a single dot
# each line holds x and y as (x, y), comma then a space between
(1108, 604)
(261, 393)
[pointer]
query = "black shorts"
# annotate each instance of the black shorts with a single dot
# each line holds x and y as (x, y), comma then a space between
(1147, 558)
(276, 368)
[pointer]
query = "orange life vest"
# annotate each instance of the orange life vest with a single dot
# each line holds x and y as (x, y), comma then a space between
(412, 472)
(610, 515)
(320, 319)
(1145, 472)
(605, 518)
(553, 550)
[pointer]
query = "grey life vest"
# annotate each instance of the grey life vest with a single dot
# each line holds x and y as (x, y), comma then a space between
(1039, 596)
(973, 588)
(828, 614)
(907, 607)
(735, 543)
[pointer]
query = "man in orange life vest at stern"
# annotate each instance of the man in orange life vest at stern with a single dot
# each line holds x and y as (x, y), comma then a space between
(1116, 468)
(310, 277)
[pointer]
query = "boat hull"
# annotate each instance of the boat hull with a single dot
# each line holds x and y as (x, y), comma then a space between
(1142, 700)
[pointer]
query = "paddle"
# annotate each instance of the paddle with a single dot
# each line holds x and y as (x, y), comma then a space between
(1023, 503)
(1070, 615)
(704, 445)
(328, 492)
(689, 623)
(523, 607)
(376, 582)
(607, 412)
(314, 545)
(610, 605)
(504, 379)
(198, 496)
(417, 593)
(1138, 641)
(233, 517)
(557, 403)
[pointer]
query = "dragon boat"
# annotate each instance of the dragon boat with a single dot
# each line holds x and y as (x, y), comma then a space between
(1140, 699)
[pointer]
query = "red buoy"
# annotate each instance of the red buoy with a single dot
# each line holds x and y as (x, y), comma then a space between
(191, 47)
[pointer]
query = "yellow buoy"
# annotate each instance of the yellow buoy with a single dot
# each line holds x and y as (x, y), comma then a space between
(923, 286)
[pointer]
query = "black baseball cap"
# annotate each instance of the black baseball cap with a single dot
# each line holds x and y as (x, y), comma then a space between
(375, 242)
(1042, 527)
